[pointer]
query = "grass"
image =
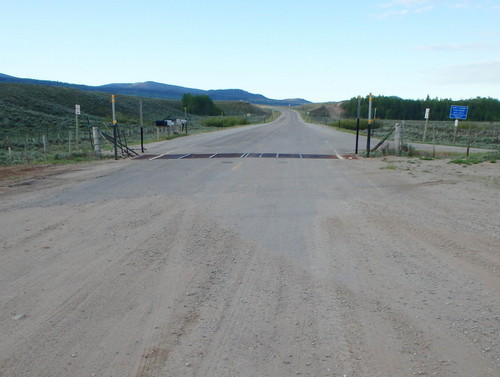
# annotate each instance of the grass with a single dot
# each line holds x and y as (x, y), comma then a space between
(34, 115)
(477, 159)
(485, 135)
(223, 122)
(390, 167)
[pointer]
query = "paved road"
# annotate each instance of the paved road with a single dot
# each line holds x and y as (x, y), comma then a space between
(288, 134)
(249, 266)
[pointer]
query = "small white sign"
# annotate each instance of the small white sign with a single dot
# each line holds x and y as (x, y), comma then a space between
(427, 112)
(77, 109)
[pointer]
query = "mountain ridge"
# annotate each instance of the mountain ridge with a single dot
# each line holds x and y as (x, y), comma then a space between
(153, 89)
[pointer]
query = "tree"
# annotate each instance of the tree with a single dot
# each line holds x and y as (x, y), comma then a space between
(199, 104)
(480, 109)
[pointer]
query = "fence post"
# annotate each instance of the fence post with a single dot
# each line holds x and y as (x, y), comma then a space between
(142, 139)
(398, 137)
(45, 143)
(70, 135)
(97, 142)
(469, 139)
(433, 140)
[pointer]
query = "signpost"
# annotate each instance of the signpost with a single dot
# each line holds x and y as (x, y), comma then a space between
(357, 124)
(142, 125)
(115, 127)
(460, 113)
(77, 121)
(370, 121)
(426, 117)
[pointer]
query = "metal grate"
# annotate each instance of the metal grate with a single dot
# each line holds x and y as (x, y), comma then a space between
(188, 156)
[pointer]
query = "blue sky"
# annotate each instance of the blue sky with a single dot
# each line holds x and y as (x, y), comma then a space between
(317, 49)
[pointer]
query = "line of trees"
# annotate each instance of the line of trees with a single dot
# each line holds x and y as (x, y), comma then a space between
(480, 109)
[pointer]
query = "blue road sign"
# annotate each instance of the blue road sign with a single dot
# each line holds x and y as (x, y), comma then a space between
(459, 112)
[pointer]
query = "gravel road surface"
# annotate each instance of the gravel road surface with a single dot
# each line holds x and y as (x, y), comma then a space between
(252, 266)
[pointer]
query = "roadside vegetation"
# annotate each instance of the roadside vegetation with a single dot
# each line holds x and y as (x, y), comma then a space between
(480, 109)
(223, 122)
(38, 123)
(199, 104)
(476, 158)
(481, 130)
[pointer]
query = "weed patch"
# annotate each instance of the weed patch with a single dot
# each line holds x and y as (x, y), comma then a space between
(477, 159)
(389, 167)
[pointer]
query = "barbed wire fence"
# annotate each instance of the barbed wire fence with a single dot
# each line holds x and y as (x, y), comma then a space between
(485, 135)
(27, 145)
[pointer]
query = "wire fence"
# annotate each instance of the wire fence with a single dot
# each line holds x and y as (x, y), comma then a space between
(69, 142)
(27, 145)
(483, 135)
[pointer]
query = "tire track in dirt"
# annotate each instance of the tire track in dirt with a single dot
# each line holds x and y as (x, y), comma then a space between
(403, 290)
(203, 255)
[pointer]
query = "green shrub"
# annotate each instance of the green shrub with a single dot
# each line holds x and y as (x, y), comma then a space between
(477, 159)
(222, 122)
(351, 124)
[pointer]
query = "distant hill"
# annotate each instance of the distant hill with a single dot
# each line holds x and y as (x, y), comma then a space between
(42, 107)
(151, 89)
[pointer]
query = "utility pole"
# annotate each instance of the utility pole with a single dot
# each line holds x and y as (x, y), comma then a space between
(370, 102)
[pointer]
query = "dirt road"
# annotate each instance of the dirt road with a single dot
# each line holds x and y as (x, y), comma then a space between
(252, 267)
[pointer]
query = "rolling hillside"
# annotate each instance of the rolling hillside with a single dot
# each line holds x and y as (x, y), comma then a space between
(24, 106)
(152, 89)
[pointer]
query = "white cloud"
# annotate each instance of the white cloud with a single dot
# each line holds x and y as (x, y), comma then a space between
(456, 47)
(399, 8)
(487, 72)
(460, 5)
(476, 4)
(425, 9)
(407, 3)
(393, 13)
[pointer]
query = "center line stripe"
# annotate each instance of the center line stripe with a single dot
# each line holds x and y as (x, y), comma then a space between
(237, 166)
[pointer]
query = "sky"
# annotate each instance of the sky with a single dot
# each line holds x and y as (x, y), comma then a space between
(319, 50)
